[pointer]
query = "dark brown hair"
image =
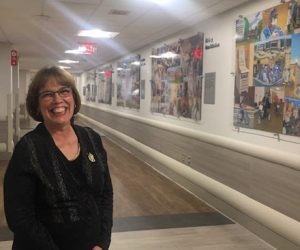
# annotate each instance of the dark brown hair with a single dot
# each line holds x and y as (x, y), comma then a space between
(43, 76)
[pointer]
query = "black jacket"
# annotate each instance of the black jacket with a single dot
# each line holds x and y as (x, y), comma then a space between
(51, 203)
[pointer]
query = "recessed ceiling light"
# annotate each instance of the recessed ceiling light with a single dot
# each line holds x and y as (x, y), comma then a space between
(96, 33)
(73, 51)
(64, 67)
(68, 61)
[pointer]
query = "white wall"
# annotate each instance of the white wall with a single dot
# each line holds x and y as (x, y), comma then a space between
(22, 86)
(218, 118)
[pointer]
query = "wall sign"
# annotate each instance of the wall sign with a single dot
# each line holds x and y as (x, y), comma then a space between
(209, 88)
(210, 43)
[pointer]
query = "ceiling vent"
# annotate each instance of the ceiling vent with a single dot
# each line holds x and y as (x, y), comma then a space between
(118, 12)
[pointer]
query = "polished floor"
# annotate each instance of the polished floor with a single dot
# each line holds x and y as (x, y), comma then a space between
(152, 212)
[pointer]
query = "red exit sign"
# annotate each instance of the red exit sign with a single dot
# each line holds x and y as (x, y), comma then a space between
(13, 57)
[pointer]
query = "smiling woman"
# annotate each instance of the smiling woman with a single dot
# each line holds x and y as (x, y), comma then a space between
(57, 187)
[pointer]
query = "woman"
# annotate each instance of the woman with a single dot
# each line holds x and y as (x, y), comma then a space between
(57, 187)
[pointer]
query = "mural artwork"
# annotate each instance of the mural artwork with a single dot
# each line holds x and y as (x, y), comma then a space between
(267, 83)
(128, 82)
(90, 90)
(104, 84)
(176, 83)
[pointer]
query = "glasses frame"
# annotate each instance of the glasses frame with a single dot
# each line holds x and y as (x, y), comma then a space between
(63, 92)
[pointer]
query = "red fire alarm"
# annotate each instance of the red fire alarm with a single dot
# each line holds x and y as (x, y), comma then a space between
(13, 57)
(198, 53)
(107, 74)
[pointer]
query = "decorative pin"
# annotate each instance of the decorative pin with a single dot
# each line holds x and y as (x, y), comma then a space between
(91, 157)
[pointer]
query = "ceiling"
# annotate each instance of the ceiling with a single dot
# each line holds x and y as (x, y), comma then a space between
(41, 30)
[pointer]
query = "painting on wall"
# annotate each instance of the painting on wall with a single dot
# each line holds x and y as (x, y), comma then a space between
(104, 83)
(128, 82)
(176, 82)
(267, 83)
(90, 90)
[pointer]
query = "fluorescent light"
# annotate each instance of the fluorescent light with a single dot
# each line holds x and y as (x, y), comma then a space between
(68, 61)
(64, 67)
(96, 33)
(73, 51)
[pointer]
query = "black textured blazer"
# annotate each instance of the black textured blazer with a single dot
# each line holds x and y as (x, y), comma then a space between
(52, 203)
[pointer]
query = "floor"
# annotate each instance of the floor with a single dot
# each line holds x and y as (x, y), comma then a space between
(152, 212)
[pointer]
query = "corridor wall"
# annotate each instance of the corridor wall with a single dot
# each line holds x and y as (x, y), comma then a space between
(259, 166)
(5, 72)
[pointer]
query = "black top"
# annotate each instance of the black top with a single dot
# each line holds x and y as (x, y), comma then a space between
(52, 203)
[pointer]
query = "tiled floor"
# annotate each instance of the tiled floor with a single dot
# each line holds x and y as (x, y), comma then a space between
(225, 237)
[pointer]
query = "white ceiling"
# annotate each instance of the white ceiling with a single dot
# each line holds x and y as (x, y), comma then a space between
(41, 30)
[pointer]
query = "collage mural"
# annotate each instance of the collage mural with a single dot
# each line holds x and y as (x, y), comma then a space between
(176, 82)
(90, 89)
(267, 83)
(99, 85)
(104, 83)
(128, 82)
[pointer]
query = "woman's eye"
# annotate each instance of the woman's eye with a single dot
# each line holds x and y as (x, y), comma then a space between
(47, 94)
(65, 91)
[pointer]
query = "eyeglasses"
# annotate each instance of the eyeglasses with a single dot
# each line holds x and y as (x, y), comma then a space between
(62, 92)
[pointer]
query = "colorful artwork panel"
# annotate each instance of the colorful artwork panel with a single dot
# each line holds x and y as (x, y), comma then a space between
(267, 83)
(91, 88)
(271, 61)
(128, 82)
(104, 83)
(176, 83)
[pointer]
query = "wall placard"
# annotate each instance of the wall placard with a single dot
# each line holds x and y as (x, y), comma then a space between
(209, 88)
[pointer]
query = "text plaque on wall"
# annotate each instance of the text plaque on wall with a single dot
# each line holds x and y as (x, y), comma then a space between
(209, 88)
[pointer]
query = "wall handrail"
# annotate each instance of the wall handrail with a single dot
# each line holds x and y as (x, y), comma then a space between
(279, 223)
(284, 158)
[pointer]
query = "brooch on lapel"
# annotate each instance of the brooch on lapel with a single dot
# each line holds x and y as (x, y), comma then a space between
(91, 157)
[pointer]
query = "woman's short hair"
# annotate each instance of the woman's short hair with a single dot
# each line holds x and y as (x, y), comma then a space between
(42, 77)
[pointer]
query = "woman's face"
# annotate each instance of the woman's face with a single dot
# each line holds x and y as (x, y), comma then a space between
(56, 104)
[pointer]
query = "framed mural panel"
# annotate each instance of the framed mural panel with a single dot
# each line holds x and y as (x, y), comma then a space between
(104, 83)
(90, 90)
(176, 83)
(128, 82)
(267, 83)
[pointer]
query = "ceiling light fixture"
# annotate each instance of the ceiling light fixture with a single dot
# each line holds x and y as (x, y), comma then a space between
(74, 51)
(96, 33)
(68, 61)
(64, 67)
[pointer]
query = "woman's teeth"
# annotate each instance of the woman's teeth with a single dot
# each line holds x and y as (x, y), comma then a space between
(58, 110)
